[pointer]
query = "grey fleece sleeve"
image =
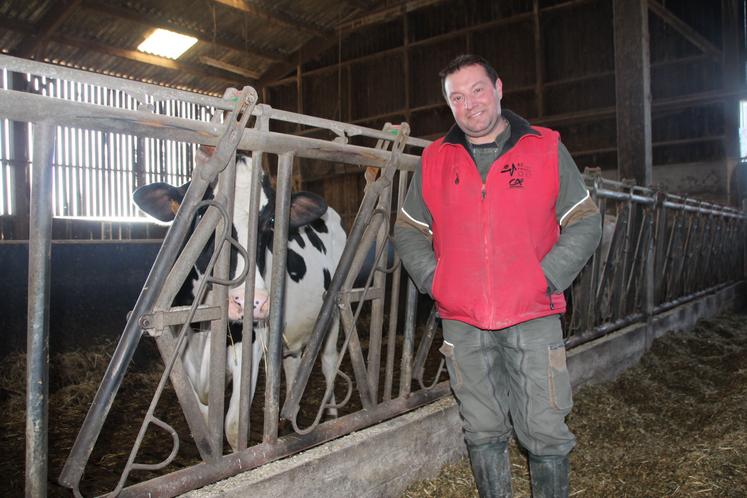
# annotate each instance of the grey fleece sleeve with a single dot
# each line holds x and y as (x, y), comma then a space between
(413, 237)
(580, 226)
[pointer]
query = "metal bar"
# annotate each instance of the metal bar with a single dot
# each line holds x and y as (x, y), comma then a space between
(188, 256)
(365, 387)
(75, 464)
(602, 330)
(343, 267)
(37, 343)
(670, 252)
(659, 252)
(277, 296)
(624, 196)
(592, 310)
(159, 320)
(408, 342)
(355, 295)
(637, 258)
(379, 281)
(202, 474)
(424, 347)
(134, 88)
(620, 273)
(246, 396)
(217, 395)
(356, 357)
(28, 107)
(167, 346)
(394, 299)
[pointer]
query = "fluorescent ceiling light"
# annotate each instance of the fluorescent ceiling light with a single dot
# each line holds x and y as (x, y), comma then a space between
(167, 43)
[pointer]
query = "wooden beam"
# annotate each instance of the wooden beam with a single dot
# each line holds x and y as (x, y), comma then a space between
(733, 77)
(153, 60)
(17, 25)
(209, 61)
(386, 15)
(700, 41)
(632, 90)
(539, 59)
(52, 19)
(274, 17)
(361, 4)
(312, 49)
(150, 22)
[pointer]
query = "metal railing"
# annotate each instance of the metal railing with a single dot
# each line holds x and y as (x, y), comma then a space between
(658, 250)
(661, 250)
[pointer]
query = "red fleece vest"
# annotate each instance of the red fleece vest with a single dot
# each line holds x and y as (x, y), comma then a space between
(489, 239)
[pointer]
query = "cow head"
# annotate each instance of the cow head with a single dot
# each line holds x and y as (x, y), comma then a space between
(162, 201)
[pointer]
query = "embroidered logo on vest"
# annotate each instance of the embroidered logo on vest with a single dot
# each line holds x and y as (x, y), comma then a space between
(518, 173)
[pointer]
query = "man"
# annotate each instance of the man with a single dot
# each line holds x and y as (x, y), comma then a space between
(496, 224)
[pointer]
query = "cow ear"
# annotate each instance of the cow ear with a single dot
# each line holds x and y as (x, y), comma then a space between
(305, 208)
(160, 200)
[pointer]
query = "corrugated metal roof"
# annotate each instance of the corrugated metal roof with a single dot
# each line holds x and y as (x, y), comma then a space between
(238, 39)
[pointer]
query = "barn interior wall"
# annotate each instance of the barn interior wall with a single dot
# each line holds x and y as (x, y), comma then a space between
(93, 287)
(556, 59)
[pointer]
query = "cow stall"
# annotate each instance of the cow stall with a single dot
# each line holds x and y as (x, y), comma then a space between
(662, 251)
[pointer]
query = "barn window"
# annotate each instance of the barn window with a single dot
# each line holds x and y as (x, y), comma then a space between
(743, 130)
(167, 43)
(94, 172)
(6, 166)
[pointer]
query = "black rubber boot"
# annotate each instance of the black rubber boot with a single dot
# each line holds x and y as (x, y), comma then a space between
(549, 476)
(491, 468)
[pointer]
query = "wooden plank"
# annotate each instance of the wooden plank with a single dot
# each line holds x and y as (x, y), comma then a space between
(209, 61)
(539, 60)
(386, 15)
(52, 19)
(275, 17)
(632, 90)
(684, 29)
(733, 77)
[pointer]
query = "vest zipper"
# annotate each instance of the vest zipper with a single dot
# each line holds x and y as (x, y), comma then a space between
(486, 237)
(549, 297)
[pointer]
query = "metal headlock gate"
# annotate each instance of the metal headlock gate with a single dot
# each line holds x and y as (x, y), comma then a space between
(662, 251)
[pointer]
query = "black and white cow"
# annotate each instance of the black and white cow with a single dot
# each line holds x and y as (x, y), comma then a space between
(315, 243)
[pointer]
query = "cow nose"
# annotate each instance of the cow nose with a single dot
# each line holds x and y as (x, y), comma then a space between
(236, 307)
(261, 304)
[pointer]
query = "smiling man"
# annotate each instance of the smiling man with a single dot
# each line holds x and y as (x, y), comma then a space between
(496, 224)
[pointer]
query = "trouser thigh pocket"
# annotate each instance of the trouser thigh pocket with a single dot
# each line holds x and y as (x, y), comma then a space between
(558, 378)
(455, 376)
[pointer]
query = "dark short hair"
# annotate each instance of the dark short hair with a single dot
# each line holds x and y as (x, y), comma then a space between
(465, 60)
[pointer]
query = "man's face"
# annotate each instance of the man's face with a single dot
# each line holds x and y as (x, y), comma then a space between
(475, 103)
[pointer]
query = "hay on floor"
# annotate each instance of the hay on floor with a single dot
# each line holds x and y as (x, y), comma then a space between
(674, 425)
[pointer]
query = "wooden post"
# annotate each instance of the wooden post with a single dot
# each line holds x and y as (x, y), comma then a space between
(733, 77)
(633, 90)
(539, 61)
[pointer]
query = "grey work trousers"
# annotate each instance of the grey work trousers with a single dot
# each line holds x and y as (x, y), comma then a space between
(513, 378)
